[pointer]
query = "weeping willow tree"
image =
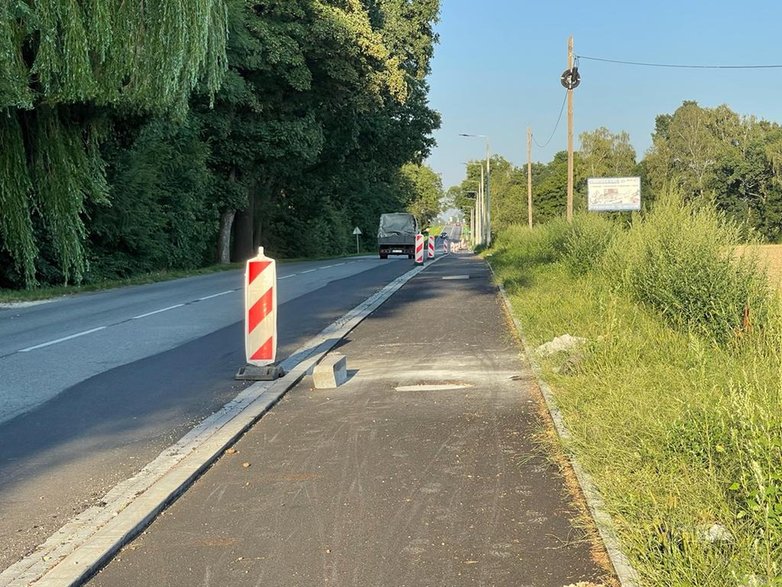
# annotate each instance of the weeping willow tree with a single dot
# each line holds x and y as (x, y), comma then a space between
(63, 65)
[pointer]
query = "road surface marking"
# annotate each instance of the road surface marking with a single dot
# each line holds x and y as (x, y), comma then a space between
(63, 339)
(433, 387)
(308, 271)
(156, 312)
(457, 277)
(287, 276)
(222, 293)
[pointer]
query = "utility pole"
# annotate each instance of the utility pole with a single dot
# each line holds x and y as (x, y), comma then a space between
(481, 211)
(488, 194)
(472, 225)
(529, 175)
(570, 135)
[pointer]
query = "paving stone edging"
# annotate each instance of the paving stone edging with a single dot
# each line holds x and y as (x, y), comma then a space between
(627, 575)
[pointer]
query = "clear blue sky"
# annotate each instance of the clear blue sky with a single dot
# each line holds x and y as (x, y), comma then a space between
(496, 70)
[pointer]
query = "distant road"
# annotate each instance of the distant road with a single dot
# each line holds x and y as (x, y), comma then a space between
(454, 232)
(94, 386)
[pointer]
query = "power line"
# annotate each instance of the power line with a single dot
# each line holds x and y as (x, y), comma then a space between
(680, 66)
(559, 118)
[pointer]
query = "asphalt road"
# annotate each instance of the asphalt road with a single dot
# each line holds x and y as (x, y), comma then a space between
(92, 387)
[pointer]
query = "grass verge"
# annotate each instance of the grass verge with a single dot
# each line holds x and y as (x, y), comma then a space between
(676, 417)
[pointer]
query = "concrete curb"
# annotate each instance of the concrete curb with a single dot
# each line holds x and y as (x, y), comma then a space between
(627, 575)
(88, 541)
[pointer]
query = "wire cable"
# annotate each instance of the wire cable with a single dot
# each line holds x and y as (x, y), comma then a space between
(680, 66)
(556, 126)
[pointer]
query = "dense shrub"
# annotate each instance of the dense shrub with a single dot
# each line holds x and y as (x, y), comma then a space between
(159, 215)
(543, 244)
(588, 239)
(679, 260)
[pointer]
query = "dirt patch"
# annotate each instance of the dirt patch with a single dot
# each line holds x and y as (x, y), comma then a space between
(769, 257)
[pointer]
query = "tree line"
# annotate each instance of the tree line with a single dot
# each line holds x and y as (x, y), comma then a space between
(175, 133)
(713, 156)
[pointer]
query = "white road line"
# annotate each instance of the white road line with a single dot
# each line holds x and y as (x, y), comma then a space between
(308, 271)
(328, 267)
(287, 276)
(157, 311)
(338, 264)
(222, 293)
(51, 342)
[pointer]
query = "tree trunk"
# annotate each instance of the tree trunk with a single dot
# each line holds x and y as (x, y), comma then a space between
(243, 233)
(224, 240)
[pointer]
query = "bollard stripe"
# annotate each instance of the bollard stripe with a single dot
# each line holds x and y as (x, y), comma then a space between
(256, 268)
(260, 310)
(265, 352)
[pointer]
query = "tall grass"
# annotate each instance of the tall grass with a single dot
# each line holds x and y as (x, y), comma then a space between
(676, 408)
(679, 260)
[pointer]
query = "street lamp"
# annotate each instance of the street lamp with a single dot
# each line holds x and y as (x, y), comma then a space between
(485, 210)
(477, 212)
(472, 216)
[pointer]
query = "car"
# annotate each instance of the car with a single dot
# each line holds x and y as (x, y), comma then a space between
(444, 234)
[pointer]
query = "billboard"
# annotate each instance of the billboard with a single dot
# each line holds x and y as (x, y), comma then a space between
(613, 194)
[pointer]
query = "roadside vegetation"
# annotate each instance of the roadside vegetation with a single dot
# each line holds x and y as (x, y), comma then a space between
(675, 399)
(281, 123)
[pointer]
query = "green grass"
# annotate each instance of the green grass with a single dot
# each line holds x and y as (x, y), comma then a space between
(679, 424)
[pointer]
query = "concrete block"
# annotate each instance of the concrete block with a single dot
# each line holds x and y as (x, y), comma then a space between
(331, 372)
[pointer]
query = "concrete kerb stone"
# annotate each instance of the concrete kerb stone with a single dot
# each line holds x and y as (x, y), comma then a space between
(88, 541)
(331, 372)
(627, 575)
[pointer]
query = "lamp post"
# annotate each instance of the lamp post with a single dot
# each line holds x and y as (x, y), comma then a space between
(480, 212)
(476, 224)
(473, 217)
(485, 211)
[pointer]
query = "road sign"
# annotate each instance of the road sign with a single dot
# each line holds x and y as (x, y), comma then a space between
(613, 194)
(357, 231)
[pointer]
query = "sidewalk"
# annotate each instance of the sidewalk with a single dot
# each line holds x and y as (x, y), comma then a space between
(422, 469)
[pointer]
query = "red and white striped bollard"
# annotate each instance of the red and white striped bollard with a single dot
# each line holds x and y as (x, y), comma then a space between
(431, 248)
(260, 310)
(419, 249)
